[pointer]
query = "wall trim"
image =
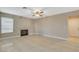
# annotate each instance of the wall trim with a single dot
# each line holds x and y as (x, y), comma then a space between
(46, 35)
(34, 34)
(9, 37)
(54, 37)
(30, 33)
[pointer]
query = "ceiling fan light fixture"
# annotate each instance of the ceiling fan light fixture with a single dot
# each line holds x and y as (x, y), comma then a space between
(38, 12)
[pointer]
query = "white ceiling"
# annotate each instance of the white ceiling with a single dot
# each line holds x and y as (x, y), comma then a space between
(48, 11)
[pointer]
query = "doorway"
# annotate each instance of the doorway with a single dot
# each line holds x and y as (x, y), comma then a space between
(73, 27)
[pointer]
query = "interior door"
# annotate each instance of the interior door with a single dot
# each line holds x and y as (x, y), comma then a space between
(73, 23)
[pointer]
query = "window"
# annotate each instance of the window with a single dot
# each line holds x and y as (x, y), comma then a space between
(6, 25)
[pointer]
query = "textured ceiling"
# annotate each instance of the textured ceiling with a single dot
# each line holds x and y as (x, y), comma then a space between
(27, 12)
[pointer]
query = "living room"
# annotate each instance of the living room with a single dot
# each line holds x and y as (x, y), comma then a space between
(39, 29)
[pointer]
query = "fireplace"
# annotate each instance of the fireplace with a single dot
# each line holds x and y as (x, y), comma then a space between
(24, 32)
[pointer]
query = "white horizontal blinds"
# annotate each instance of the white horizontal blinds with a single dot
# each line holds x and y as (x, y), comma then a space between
(6, 25)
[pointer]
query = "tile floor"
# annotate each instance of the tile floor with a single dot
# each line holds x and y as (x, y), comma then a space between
(37, 43)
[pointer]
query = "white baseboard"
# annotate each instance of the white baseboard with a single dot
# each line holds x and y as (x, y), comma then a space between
(54, 37)
(31, 33)
(37, 33)
(34, 34)
(47, 35)
(9, 37)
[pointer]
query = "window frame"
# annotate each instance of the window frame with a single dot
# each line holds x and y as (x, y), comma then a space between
(12, 25)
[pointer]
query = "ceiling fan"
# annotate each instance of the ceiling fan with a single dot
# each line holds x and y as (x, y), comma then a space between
(36, 11)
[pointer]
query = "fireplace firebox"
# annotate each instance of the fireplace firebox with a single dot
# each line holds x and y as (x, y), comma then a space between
(24, 32)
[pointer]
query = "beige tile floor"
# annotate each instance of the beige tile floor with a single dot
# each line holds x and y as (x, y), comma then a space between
(37, 43)
(74, 40)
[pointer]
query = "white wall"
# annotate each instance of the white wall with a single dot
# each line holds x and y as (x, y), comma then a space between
(19, 24)
(54, 26)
